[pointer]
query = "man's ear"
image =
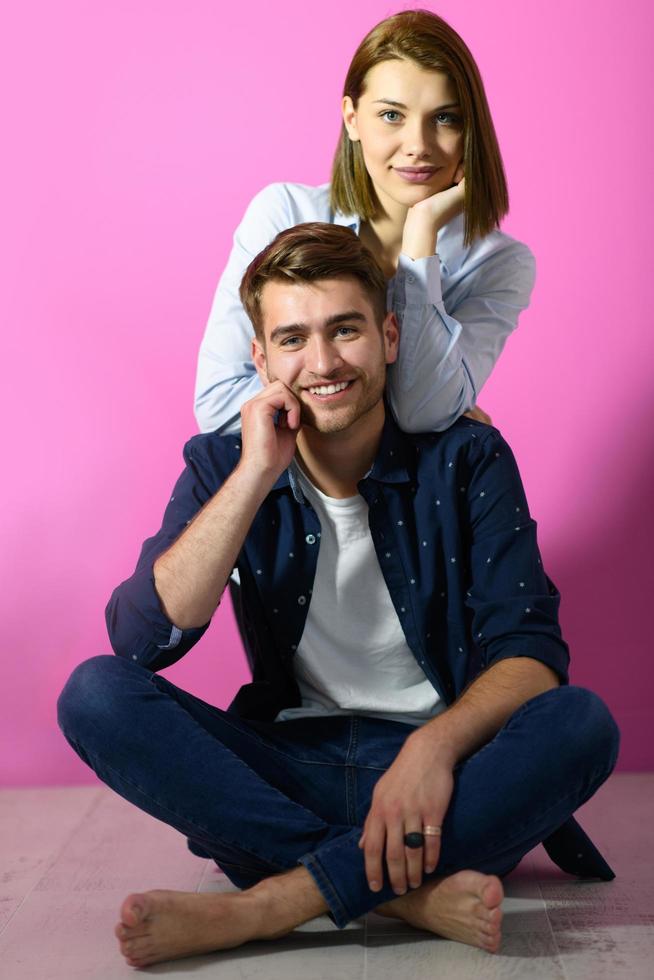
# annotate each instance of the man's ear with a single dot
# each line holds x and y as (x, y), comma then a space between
(391, 335)
(350, 118)
(258, 352)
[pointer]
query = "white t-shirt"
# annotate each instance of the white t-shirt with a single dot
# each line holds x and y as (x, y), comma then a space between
(353, 657)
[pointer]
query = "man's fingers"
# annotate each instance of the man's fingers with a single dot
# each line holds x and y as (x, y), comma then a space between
(375, 835)
(414, 855)
(432, 849)
(396, 857)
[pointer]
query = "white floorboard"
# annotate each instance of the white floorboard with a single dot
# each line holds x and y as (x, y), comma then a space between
(68, 857)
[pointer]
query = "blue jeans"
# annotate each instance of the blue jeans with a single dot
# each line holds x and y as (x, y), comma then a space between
(262, 797)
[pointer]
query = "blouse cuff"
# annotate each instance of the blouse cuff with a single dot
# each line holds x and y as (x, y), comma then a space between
(422, 280)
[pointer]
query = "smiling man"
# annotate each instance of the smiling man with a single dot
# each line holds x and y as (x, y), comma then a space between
(409, 733)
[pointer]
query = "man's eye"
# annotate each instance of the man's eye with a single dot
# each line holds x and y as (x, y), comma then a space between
(345, 331)
(291, 341)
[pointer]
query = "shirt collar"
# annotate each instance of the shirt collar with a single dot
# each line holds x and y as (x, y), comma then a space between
(392, 463)
(450, 248)
(352, 221)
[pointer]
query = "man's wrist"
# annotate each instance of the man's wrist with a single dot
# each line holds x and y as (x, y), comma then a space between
(441, 743)
(252, 480)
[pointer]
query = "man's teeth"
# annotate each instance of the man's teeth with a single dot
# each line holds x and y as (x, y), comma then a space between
(329, 389)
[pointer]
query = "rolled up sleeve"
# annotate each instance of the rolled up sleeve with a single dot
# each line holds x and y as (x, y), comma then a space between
(514, 604)
(137, 625)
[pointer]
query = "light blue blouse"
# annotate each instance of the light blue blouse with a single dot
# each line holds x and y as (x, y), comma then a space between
(455, 311)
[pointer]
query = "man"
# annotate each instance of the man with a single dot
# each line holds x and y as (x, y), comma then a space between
(409, 733)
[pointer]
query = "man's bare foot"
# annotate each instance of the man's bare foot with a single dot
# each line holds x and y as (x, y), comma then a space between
(464, 907)
(167, 925)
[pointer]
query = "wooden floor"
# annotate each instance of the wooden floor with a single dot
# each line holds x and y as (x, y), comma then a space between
(69, 856)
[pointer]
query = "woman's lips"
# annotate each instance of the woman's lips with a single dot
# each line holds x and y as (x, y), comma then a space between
(416, 175)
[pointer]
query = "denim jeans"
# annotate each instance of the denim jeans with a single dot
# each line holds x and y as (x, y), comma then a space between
(262, 797)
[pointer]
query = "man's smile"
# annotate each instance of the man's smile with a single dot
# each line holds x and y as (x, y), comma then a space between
(331, 391)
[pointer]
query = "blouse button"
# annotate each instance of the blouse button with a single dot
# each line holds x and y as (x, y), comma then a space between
(301, 600)
(310, 539)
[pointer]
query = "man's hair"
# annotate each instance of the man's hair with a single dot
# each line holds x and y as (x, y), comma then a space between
(428, 41)
(307, 253)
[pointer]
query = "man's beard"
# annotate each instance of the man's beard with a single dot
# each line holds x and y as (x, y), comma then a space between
(340, 418)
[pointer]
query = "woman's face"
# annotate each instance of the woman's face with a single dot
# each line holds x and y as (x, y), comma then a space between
(409, 124)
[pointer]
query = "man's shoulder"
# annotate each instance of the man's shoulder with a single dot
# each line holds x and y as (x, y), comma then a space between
(464, 437)
(213, 455)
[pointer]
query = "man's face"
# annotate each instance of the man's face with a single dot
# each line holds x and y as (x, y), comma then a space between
(321, 339)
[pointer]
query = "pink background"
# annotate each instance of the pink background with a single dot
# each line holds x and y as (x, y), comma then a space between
(134, 133)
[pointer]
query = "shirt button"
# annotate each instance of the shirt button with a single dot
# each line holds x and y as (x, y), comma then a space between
(310, 539)
(301, 600)
(410, 278)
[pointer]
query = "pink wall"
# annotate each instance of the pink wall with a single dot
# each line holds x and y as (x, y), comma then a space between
(134, 134)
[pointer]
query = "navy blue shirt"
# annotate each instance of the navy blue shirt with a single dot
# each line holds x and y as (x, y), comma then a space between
(453, 536)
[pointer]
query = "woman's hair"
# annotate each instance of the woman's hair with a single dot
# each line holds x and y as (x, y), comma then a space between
(307, 253)
(424, 38)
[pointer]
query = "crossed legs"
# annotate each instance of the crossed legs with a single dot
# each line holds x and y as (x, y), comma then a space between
(263, 799)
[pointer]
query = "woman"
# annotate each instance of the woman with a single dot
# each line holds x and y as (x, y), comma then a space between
(415, 121)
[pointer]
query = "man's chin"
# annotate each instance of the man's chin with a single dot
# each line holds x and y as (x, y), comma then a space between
(327, 420)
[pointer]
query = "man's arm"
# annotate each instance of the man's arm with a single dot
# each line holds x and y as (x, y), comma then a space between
(515, 625)
(418, 786)
(158, 614)
(191, 576)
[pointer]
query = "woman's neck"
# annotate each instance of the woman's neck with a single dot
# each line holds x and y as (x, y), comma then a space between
(383, 236)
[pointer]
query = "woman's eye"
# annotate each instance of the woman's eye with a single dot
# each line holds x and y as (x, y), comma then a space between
(390, 115)
(448, 119)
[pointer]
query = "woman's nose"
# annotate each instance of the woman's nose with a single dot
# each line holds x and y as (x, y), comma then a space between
(417, 140)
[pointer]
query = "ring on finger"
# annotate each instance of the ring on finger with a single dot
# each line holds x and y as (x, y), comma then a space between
(430, 830)
(414, 839)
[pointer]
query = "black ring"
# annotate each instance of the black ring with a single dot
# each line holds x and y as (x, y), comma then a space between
(415, 839)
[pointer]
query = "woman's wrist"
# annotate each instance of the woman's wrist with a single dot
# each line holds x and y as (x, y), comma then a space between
(426, 218)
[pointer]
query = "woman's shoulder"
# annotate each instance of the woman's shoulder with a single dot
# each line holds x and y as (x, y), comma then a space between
(497, 249)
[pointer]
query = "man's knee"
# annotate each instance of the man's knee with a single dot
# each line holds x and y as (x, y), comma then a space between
(586, 726)
(89, 695)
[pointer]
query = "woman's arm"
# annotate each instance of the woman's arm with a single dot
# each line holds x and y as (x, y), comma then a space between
(446, 355)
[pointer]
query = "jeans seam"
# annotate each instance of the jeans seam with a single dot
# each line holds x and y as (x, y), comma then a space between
(339, 912)
(178, 816)
(350, 771)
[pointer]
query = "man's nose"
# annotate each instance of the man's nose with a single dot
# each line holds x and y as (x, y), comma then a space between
(323, 357)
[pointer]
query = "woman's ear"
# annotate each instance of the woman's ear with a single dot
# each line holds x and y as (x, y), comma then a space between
(350, 118)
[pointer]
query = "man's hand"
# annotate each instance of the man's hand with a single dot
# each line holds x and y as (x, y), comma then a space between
(414, 793)
(268, 448)
(425, 219)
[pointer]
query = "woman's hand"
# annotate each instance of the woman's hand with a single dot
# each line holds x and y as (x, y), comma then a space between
(479, 414)
(425, 219)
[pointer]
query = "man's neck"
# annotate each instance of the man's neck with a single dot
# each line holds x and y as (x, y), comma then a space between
(336, 461)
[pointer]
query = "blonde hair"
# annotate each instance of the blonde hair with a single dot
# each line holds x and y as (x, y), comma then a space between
(426, 39)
